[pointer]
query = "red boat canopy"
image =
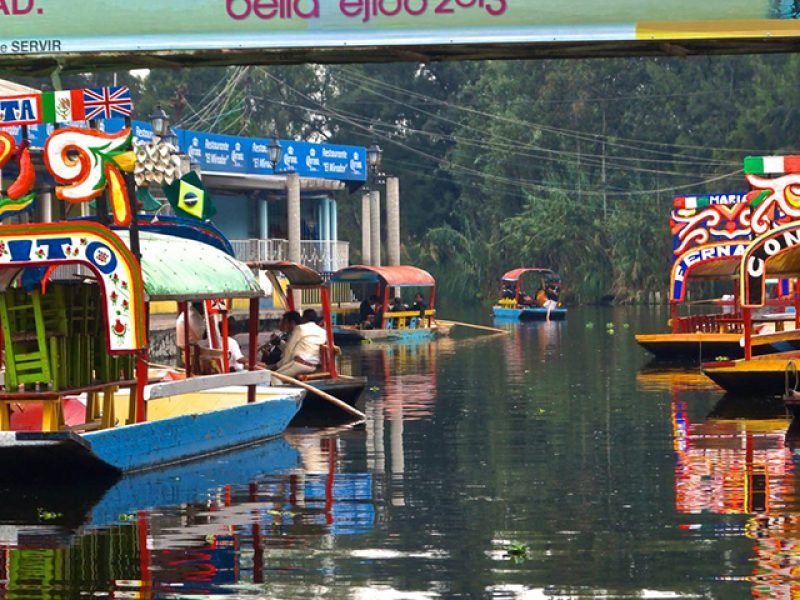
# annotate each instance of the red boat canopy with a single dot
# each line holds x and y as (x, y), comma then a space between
(298, 275)
(399, 276)
(514, 275)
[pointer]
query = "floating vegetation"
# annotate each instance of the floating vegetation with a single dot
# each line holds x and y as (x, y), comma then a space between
(46, 515)
(518, 552)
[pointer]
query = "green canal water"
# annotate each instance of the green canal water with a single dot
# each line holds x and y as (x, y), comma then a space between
(552, 462)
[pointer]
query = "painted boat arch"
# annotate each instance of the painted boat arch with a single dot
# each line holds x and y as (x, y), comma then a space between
(46, 246)
(712, 261)
(776, 253)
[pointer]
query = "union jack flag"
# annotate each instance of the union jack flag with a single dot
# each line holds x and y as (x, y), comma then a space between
(107, 102)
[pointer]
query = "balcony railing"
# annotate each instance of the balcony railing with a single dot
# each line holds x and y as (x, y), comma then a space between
(261, 250)
(320, 256)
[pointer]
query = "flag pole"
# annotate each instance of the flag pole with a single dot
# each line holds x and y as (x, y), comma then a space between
(134, 227)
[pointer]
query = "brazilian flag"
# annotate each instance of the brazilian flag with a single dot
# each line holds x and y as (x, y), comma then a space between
(189, 197)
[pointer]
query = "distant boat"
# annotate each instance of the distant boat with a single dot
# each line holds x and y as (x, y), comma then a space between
(348, 389)
(542, 305)
(389, 324)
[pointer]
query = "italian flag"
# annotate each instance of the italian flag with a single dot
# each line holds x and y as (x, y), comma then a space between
(771, 165)
(62, 107)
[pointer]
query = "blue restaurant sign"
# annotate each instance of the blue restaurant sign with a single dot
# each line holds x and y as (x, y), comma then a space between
(247, 156)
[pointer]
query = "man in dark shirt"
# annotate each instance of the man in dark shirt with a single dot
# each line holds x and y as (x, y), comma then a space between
(367, 312)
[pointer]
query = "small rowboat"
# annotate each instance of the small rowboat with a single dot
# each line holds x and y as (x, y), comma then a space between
(517, 305)
(390, 326)
(327, 379)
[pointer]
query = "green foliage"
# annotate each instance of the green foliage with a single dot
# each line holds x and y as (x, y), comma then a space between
(570, 165)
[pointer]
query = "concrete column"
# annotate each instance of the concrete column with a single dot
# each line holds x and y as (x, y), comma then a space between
(263, 219)
(326, 211)
(45, 201)
(293, 210)
(375, 226)
(334, 221)
(393, 220)
(366, 224)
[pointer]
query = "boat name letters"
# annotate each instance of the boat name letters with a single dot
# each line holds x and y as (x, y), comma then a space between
(97, 253)
(702, 255)
(755, 262)
(697, 257)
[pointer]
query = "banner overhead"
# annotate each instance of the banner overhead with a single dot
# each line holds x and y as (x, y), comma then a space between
(49, 28)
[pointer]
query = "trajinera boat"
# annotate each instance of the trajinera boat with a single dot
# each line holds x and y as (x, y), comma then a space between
(386, 318)
(710, 335)
(78, 394)
(301, 278)
(542, 305)
(775, 254)
(710, 235)
(84, 340)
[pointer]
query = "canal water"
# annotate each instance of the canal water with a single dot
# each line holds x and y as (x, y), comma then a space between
(552, 462)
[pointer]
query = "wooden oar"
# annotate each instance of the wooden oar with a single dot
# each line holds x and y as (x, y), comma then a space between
(479, 327)
(324, 395)
(310, 388)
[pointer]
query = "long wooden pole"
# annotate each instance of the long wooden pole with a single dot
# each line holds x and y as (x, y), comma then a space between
(479, 327)
(324, 395)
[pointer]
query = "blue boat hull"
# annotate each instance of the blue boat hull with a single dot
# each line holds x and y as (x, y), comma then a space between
(144, 445)
(529, 314)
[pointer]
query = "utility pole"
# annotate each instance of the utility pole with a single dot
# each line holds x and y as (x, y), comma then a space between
(603, 168)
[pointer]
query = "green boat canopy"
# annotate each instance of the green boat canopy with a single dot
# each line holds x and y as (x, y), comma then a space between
(179, 269)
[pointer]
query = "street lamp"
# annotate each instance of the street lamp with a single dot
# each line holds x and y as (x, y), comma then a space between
(374, 156)
(274, 151)
(159, 120)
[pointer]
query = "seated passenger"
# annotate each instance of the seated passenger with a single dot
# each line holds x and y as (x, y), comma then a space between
(310, 316)
(367, 309)
(197, 325)
(302, 353)
(508, 291)
(526, 300)
(419, 304)
(236, 359)
(397, 305)
(272, 351)
(552, 294)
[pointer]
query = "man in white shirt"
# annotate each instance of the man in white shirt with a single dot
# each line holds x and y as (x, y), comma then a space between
(197, 325)
(302, 352)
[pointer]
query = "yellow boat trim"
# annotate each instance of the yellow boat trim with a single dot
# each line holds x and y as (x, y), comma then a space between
(664, 338)
(720, 29)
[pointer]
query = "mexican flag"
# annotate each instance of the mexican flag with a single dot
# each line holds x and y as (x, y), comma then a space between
(62, 107)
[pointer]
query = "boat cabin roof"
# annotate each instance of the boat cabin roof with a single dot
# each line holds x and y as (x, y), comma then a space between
(397, 276)
(515, 274)
(298, 275)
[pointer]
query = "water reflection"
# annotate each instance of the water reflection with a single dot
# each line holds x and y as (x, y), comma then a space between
(196, 528)
(408, 373)
(540, 339)
(743, 467)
